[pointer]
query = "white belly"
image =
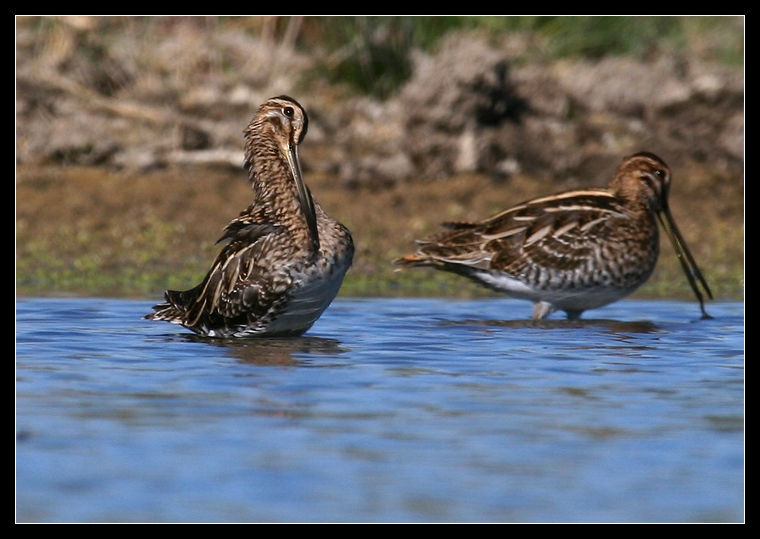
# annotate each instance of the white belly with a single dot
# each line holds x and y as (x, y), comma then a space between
(571, 298)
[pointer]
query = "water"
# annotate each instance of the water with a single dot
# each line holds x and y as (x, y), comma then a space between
(389, 410)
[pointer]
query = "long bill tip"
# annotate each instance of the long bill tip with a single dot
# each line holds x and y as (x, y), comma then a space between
(688, 264)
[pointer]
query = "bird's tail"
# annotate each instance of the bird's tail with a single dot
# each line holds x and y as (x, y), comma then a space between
(174, 309)
(412, 261)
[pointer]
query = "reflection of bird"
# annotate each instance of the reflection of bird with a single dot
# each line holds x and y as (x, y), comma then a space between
(268, 351)
(571, 251)
(285, 258)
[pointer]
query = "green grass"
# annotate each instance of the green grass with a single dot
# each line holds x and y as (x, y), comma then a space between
(40, 272)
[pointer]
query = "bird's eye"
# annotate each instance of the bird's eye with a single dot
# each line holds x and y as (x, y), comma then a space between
(660, 173)
(288, 111)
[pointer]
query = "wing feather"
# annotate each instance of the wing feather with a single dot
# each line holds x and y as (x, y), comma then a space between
(556, 230)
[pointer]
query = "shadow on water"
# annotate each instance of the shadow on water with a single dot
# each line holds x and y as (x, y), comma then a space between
(613, 326)
(266, 351)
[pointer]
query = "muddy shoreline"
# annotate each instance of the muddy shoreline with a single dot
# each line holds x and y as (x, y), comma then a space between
(89, 231)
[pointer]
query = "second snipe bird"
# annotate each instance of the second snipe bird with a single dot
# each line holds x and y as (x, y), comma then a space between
(571, 251)
(285, 258)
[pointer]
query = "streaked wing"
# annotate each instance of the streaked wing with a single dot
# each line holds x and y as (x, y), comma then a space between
(241, 281)
(557, 231)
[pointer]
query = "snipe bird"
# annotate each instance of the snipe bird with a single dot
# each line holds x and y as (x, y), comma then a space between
(571, 251)
(284, 258)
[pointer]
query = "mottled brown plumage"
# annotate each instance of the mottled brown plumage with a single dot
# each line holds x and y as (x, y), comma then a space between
(285, 258)
(571, 251)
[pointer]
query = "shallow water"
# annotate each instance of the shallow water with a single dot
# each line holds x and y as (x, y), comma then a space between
(402, 410)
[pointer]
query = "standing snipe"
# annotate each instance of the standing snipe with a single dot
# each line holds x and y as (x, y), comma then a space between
(285, 258)
(571, 251)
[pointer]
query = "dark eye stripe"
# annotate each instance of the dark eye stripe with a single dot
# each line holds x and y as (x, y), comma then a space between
(655, 181)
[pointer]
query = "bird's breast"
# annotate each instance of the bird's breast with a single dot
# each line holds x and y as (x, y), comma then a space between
(307, 301)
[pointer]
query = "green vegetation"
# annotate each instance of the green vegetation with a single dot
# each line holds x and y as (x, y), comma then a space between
(373, 54)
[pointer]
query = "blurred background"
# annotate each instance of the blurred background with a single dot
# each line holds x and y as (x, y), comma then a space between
(129, 135)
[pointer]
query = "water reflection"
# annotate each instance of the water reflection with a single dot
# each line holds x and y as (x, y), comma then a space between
(269, 351)
(613, 326)
(433, 415)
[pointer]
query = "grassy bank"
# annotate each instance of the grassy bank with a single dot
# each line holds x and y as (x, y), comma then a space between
(87, 231)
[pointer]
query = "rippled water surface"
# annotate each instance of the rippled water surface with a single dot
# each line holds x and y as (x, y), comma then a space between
(388, 410)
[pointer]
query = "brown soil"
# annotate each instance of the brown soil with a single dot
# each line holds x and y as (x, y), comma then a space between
(93, 231)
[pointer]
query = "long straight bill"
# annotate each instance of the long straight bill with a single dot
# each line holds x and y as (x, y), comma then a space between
(684, 256)
(304, 196)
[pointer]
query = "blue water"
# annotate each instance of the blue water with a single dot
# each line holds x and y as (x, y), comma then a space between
(388, 410)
